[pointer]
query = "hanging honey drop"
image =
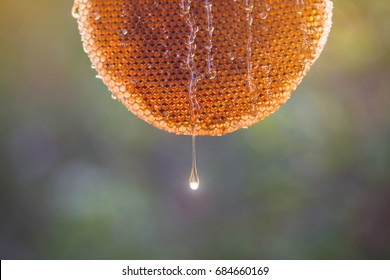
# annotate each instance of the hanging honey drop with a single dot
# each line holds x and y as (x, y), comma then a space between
(194, 177)
(206, 67)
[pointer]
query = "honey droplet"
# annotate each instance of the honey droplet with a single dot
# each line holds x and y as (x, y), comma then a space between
(194, 177)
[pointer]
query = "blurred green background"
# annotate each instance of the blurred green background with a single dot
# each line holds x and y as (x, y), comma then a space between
(81, 178)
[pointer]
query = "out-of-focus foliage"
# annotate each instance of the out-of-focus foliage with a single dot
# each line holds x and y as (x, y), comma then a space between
(83, 178)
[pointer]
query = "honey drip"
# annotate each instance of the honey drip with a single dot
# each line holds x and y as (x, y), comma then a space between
(264, 10)
(211, 71)
(190, 64)
(250, 86)
(194, 107)
(194, 177)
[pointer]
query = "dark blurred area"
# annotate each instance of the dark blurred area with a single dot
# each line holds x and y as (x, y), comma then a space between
(82, 178)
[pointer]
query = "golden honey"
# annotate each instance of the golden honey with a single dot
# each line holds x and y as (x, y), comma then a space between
(202, 67)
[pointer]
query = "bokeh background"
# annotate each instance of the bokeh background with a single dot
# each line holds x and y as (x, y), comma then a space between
(81, 178)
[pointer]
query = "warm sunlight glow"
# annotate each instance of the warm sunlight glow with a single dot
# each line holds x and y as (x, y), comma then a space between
(194, 186)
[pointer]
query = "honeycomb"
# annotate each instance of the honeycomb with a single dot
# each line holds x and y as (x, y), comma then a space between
(202, 67)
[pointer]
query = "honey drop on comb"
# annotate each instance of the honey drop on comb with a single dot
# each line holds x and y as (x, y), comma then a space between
(216, 66)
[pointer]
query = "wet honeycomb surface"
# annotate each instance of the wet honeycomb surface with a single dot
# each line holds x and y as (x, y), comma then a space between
(202, 67)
